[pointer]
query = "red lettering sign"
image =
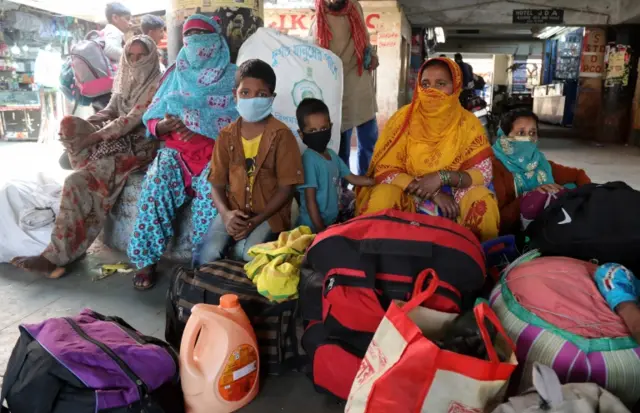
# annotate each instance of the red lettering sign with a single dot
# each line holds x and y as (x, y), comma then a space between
(296, 22)
(369, 20)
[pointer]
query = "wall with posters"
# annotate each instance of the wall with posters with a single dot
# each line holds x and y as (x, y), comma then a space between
(390, 34)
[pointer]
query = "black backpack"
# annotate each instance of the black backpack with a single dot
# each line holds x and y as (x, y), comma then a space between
(593, 222)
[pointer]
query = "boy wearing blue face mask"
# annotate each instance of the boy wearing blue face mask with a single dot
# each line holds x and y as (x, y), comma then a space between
(323, 168)
(254, 169)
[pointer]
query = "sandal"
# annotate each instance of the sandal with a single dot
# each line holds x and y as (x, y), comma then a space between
(145, 278)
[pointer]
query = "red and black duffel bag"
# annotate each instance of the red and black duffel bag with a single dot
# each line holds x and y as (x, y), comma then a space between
(373, 259)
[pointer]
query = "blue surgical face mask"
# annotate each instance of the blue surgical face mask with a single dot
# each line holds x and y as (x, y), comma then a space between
(255, 109)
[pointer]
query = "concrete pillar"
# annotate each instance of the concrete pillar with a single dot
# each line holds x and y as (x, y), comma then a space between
(590, 84)
(618, 95)
(238, 19)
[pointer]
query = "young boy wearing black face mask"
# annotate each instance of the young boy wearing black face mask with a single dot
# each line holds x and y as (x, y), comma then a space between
(323, 168)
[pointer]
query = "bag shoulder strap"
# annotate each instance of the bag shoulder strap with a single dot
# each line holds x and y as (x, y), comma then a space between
(547, 384)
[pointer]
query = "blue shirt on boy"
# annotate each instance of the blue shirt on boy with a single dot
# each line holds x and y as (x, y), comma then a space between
(325, 176)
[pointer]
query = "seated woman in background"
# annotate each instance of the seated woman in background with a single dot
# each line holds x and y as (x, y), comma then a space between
(524, 180)
(433, 156)
(104, 150)
(193, 103)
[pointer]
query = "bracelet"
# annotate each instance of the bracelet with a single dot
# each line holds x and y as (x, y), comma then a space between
(445, 178)
(460, 177)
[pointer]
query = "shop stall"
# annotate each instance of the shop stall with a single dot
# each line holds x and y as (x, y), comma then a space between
(32, 46)
(555, 102)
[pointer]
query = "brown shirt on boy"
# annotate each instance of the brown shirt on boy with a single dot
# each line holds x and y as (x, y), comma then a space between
(278, 163)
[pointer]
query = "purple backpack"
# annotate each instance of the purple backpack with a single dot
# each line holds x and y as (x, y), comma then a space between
(90, 363)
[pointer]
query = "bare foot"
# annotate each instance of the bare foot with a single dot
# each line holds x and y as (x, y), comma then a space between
(39, 264)
(145, 278)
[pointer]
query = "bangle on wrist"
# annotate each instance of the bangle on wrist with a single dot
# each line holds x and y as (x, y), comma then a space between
(445, 178)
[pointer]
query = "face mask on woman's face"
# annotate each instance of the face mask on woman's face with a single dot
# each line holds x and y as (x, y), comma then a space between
(523, 150)
(317, 141)
(255, 109)
(199, 48)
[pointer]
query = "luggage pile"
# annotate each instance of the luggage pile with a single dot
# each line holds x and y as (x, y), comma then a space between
(380, 259)
(376, 294)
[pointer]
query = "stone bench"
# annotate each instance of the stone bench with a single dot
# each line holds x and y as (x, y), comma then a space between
(119, 226)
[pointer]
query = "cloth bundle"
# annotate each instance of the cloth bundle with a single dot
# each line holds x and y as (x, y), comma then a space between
(275, 267)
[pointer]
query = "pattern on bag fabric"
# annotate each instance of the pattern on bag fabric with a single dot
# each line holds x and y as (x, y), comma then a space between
(365, 372)
(374, 360)
(456, 407)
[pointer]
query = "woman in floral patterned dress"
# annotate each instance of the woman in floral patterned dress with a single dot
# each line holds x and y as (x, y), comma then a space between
(194, 101)
(104, 150)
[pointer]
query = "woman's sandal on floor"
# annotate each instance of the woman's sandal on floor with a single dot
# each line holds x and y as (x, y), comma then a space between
(145, 276)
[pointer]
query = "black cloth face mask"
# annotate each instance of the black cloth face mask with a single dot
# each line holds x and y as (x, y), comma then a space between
(317, 141)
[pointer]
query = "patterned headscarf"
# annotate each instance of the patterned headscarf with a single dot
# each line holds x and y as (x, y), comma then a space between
(133, 80)
(199, 87)
(441, 134)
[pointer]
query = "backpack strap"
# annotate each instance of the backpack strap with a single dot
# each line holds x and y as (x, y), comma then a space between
(18, 357)
(547, 384)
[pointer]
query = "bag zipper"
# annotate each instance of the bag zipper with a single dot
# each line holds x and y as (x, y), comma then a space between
(420, 224)
(140, 339)
(143, 391)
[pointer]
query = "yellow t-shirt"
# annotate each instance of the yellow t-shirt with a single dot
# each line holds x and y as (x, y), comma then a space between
(250, 154)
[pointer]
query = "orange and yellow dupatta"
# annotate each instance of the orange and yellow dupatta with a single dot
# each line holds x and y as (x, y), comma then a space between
(433, 133)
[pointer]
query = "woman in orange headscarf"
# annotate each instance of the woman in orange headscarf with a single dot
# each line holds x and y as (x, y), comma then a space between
(433, 157)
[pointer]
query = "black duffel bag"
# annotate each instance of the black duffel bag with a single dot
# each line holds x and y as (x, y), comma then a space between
(274, 323)
(593, 222)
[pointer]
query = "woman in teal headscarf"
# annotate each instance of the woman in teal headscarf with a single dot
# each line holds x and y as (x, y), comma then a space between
(193, 103)
(524, 180)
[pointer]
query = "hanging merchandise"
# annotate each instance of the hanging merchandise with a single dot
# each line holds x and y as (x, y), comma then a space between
(47, 68)
(24, 22)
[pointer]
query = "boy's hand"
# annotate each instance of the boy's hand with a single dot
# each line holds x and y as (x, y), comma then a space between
(251, 224)
(357, 180)
(235, 221)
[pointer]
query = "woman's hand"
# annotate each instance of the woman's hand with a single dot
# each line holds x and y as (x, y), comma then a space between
(166, 125)
(447, 205)
(549, 188)
(171, 123)
(185, 133)
(76, 145)
(426, 186)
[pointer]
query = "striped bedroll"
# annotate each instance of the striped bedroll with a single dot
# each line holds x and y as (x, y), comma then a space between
(613, 366)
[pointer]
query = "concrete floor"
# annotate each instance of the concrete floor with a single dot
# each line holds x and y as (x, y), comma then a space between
(27, 298)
